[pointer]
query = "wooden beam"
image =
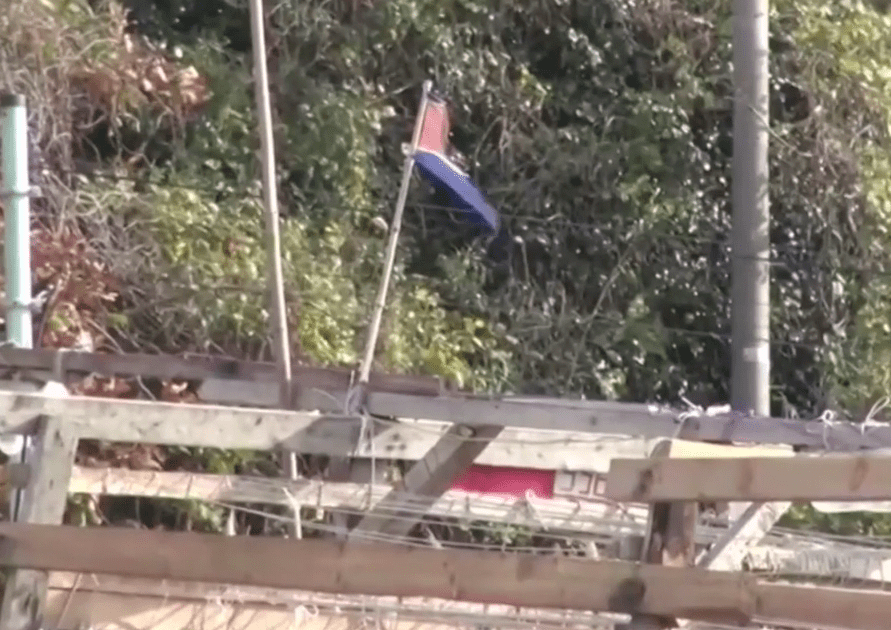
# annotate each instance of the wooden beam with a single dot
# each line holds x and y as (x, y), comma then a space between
(803, 558)
(648, 420)
(523, 580)
(619, 418)
(305, 432)
(841, 478)
(727, 553)
(670, 539)
(426, 481)
(356, 568)
(115, 603)
(421, 397)
(201, 367)
(555, 414)
(564, 415)
(45, 497)
(600, 518)
(821, 607)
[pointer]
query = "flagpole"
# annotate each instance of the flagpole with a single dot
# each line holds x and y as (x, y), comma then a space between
(278, 307)
(381, 301)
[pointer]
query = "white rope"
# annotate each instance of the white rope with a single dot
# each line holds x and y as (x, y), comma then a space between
(877, 408)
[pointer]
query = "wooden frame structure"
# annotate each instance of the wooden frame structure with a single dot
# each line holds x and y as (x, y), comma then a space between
(456, 429)
(521, 580)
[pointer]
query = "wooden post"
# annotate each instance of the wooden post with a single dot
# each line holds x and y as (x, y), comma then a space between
(670, 539)
(43, 503)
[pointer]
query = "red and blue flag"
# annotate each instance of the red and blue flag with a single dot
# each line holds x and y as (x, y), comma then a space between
(433, 159)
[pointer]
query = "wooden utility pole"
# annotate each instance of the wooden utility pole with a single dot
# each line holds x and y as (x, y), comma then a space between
(281, 339)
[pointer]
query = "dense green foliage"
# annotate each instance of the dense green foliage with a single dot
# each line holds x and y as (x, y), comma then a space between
(852, 73)
(601, 129)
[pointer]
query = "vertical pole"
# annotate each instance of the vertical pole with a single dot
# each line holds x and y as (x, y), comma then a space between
(24, 593)
(15, 197)
(281, 339)
(16, 201)
(341, 466)
(750, 293)
(381, 302)
(671, 533)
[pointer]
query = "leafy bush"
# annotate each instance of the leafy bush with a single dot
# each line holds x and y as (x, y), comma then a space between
(848, 43)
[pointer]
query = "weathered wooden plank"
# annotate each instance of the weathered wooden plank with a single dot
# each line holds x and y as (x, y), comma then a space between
(601, 518)
(579, 416)
(841, 478)
(398, 512)
(630, 419)
(323, 565)
(822, 607)
(305, 432)
(115, 603)
(421, 397)
(555, 414)
(200, 367)
(523, 580)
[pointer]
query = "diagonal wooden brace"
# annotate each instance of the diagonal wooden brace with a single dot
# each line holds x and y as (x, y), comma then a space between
(427, 480)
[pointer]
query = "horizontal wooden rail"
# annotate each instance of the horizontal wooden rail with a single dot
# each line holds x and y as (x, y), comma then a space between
(855, 563)
(329, 566)
(522, 580)
(302, 432)
(201, 367)
(563, 514)
(836, 477)
(78, 600)
(252, 384)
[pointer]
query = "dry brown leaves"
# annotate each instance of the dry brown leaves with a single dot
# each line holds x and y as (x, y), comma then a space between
(140, 75)
(83, 293)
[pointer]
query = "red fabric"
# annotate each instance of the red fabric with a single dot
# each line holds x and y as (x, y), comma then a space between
(504, 481)
(435, 128)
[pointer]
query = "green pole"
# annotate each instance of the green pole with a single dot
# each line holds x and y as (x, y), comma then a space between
(16, 201)
(15, 193)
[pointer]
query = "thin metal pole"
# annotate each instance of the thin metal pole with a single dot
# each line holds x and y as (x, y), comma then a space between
(750, 292)
(16, 193)
(381, 300)
(16, 199)
(281, 340)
